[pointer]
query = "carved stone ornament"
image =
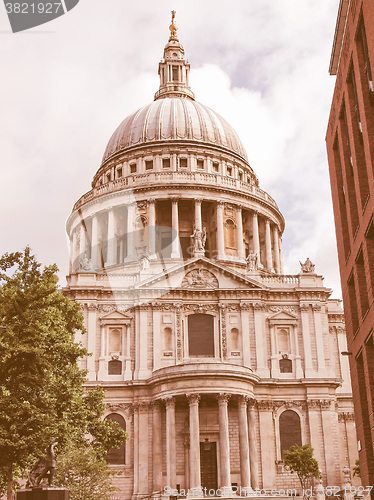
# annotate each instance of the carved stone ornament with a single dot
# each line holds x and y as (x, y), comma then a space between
(223, 398)
(126, 407)
(280, 308)
(346, 417)
(308, 266)
(265, 404)
(200, 308)
(200, 278)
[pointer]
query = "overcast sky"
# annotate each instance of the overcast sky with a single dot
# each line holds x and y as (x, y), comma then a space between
(66, 85)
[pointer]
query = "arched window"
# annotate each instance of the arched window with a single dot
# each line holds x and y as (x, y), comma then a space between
(115, 367)
(116, 456)
(289, 430)
(201, 335)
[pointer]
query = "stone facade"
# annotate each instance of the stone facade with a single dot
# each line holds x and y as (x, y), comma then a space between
(211, 358)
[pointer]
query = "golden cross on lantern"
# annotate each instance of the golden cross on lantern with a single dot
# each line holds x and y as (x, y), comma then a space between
(173, 28)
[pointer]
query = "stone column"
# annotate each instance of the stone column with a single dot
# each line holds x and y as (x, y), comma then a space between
(112, 247)
(170, 443)
(151, 228)
(198, 223)
(244, 443)
(261, 348)
(157, 447)
(269, 259)
(224, 442)
(256, 236)
(309, 372)
(319, 339)
(143, 448)
(195, 474)
(175, 226)
(74, 261)
(253, 462)
(239, 222)
(91, 341)
(220, 234)
(82, 241)
(130, 231)
(267, 437)
(94, 244)
(276, 250)
(128, 371)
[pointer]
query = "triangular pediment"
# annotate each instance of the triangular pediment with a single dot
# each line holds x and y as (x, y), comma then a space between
(201, 274)
(283, 316)
(112, 315)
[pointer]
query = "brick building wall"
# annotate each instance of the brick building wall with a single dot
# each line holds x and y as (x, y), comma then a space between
(350, 147)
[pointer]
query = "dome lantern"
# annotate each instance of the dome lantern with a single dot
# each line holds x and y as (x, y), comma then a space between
(173, 68)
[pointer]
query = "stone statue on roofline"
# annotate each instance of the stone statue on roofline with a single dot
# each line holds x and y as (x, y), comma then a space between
(252, 261)
(308, 267)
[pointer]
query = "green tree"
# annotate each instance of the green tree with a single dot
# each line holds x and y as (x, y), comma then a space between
(299, 459)
(41, 385)
(84, 473)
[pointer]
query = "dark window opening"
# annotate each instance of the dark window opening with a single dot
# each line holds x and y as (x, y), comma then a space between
(200, 164)
(353, 303)
(133, 168)
(362, 284)
(285, 365)
(175, 73)
(115, 367)
(289, 430)
(149, 165)
(201, 335)
(216, 167)
(116, 456)
(183, 162)
(166, 163)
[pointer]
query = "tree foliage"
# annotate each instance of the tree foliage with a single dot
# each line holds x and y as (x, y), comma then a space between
(41, 385)
(84, 473)
(299, 459)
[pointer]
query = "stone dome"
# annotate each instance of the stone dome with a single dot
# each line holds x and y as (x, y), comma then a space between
(174, 119)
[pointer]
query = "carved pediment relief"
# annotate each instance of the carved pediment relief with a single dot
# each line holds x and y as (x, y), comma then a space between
(282, 317)
(200, 278)
(115, 316)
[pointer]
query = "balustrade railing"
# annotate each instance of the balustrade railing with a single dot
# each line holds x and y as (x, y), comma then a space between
(154, 178)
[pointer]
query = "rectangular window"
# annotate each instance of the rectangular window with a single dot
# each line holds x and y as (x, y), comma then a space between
(201, 335)
(350, 181)
(362, 284)
(175, 73)
(149, 164)
(183, 162)
(357, 140)
(133, 168)
(215, 167)
(353, 303)
(229, 171)
(369, 239)
(341, 198)
(119, 172)
(200, 164)
(166, 163)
